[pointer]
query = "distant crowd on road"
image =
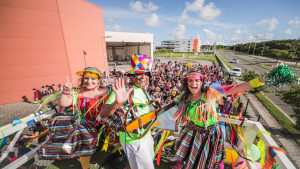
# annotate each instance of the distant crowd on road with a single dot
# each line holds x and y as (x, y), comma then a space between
(164, 83)
(46, 90)
(165, 78)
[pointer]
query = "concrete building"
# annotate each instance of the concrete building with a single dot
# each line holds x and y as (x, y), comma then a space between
(42, 42)
(187, 45)
(168, 44)
(182, 45)
(121, 45)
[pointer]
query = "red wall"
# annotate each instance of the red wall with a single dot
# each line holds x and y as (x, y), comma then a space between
(195, 45)
(42, 42)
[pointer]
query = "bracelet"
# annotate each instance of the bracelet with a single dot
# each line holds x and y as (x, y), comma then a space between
(65, 93)
(255, 83)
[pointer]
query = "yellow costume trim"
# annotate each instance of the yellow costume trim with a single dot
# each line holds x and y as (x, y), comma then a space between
(255, 83)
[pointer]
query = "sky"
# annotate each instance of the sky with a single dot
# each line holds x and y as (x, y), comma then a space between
(224, 22)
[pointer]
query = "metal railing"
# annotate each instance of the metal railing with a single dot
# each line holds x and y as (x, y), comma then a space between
(251, 130)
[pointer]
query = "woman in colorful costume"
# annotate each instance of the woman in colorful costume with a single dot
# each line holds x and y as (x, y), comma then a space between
(73, 133)
(201, 143)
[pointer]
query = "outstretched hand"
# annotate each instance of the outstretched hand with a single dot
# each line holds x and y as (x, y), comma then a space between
(120, 90)
(277, 64)
(68, 86)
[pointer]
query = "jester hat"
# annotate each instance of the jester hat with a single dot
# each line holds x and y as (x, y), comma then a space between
(92, 70)
(140, 64)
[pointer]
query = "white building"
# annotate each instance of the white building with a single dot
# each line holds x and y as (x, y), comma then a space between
(168, 44)
(187, 45)
(121, 45)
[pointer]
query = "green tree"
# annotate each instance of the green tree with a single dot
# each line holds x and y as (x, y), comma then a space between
(292, 97)
(251, 74)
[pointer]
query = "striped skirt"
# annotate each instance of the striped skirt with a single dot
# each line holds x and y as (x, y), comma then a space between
(200, 148)
(68, 139)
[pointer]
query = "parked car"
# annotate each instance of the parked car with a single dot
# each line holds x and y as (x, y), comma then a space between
(236, 71)
(235, 61)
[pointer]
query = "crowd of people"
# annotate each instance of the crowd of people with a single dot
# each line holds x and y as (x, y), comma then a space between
(165, 82)
(46, 90)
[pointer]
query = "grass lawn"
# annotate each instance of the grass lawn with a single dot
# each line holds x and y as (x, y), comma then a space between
(279, 116)
(179, 54)
(229, 65)
(209, 58)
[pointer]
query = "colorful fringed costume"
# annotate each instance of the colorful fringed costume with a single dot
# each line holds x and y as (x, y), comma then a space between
(200, 142)
(72, 132)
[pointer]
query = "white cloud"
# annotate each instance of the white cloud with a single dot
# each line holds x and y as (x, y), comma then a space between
(207, 12)
(178, 32)
(210, 35)
(183, 17)
(120, 13)
(295, 21)
(261, 37)
(115, 28)
(139, 6)
(153, 21)
(239, 31)
(271, 22)
(110, 19)
(288, 31)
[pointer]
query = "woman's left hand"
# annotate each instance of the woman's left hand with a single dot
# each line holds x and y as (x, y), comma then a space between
(277, 64)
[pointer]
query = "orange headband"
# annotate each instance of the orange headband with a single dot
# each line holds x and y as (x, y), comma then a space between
(91, 75)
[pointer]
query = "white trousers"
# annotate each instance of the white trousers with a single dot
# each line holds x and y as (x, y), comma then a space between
(140, 155)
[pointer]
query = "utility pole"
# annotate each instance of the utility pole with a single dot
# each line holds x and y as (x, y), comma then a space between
(249, 48)
(262, 52)
(254, 48)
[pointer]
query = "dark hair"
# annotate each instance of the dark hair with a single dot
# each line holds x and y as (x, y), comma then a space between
(11, 154)
(185, 88)
(37, 123)
(20, 143)
(240, 106)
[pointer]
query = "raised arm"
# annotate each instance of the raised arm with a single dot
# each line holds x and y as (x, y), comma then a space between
(65, 100)
(244, 86)
(120, 94)
(251, 84)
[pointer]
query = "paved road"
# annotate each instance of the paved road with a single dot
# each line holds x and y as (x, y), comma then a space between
(266, 61)
(287, 109)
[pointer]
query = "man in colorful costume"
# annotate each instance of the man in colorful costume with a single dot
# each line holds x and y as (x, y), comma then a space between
(140, 153)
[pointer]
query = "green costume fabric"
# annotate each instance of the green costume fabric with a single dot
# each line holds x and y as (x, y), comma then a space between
(193, 113)
(139, 96)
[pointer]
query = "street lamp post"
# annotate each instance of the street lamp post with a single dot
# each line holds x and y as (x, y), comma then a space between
(233, 48)
(105, 70)
(249, 47)
(254, 47)
(262, 52)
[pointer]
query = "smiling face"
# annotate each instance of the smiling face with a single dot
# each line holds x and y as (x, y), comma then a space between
(90, 81)
(194, 83)
(140, 79)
